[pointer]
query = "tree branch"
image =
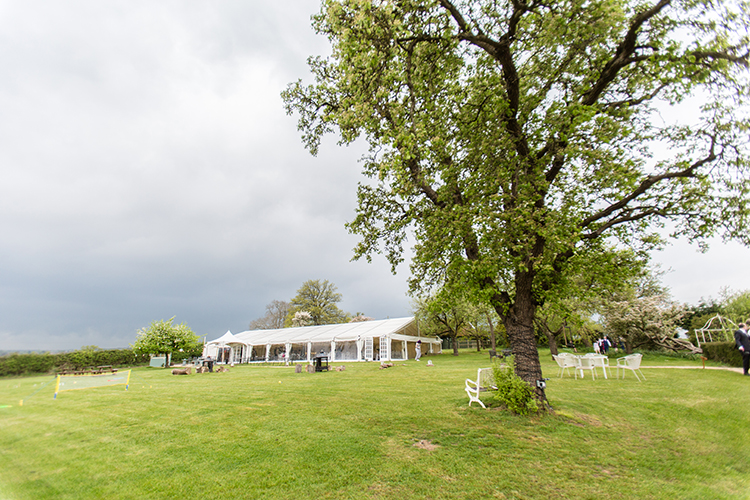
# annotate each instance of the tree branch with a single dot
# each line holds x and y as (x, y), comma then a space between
(642, 188)
(742, 60)
(623, 54)
(501, 52)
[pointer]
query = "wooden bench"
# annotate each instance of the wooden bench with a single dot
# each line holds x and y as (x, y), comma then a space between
(70, 372)
(93, 370)
(485, 382)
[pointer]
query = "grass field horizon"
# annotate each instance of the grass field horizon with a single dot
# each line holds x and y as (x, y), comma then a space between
(365, 433)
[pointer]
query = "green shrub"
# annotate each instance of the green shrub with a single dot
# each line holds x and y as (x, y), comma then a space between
(513, 391)
(24, 364)
(723, 352)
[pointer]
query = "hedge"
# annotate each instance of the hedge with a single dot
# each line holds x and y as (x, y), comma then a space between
(723, 352)
(22, 364)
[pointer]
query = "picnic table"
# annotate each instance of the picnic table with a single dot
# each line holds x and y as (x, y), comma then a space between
(90, 370)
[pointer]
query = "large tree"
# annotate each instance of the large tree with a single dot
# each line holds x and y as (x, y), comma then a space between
(509, 140)
(319, 298)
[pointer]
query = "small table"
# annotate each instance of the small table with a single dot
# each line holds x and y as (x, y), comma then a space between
(598, 360)
(321, 363)
(209, 363)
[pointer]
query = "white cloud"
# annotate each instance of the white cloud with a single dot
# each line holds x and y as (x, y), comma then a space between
(692, 275)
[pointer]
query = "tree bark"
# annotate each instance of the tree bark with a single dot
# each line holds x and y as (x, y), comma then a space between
(455, 346)
(519, 323)
(552, 342)
(492, 333)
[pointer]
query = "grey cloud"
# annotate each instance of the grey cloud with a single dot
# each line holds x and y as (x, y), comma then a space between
(149, 170)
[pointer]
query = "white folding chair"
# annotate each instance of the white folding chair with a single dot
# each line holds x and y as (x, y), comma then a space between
(632, 363)
(565, 363)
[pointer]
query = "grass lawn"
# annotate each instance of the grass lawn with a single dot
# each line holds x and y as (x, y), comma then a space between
(365, 433)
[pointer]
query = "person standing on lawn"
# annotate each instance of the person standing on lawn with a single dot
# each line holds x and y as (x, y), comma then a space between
(743, 344)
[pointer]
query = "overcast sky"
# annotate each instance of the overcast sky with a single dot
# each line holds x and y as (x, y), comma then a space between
(148, 170)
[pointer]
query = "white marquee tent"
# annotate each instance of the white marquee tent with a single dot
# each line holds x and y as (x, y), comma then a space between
(386, 340)
(224, 346)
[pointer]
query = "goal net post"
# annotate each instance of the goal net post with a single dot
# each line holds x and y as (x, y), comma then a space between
(73, 382)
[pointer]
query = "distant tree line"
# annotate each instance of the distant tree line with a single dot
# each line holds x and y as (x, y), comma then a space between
(31, 363)
(732, 305)
(624, 300)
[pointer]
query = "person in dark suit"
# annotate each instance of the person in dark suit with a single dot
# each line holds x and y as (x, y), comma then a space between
(742, 340)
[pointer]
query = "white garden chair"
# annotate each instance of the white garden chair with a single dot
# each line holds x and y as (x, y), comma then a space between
(585, 363)
(565, 363)
(632, 363)
(485, 381)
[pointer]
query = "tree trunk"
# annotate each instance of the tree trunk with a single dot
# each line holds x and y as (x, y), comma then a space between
(552, 342)
(519, 324)
(455, 346)
(492, 333)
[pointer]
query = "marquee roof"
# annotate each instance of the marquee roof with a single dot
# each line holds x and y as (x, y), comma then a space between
(227, 338)
(397, 329)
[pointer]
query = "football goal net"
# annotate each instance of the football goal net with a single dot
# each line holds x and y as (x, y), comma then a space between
(72, 382)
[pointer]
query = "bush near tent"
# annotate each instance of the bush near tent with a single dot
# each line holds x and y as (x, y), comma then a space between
(723, 352)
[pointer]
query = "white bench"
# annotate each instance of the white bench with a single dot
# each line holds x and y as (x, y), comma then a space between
(485, 382)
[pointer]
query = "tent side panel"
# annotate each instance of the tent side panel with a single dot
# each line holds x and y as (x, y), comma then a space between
(346, 351)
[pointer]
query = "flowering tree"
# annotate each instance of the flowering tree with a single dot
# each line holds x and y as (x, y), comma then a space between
(302, 318)
(649, 321)
(162, 337)
(359, 318)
